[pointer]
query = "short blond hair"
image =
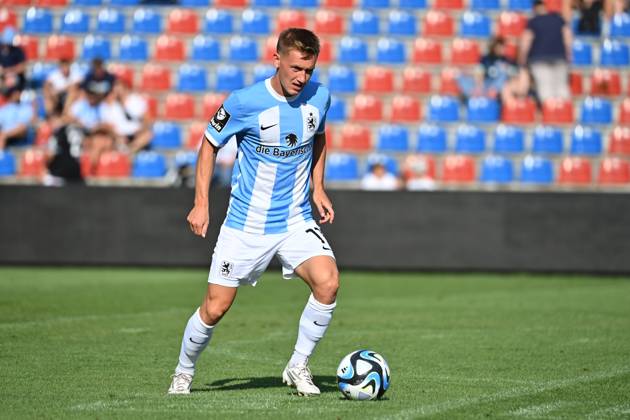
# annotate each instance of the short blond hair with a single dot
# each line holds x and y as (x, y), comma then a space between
(299, 39)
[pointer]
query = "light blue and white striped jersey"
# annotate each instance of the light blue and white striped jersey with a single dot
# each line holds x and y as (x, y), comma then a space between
(275, 136)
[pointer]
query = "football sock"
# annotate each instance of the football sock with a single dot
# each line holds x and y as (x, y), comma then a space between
(313, 325)
(196, 337)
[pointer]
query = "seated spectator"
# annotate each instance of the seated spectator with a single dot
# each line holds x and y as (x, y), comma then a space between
(12, 61)
(378, 179)
(58, 85)
(546, 49)
(15, 117)
(417, 174)
(97, 79)
(589, 20)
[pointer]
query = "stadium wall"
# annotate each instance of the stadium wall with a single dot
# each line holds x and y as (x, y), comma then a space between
(481, 231)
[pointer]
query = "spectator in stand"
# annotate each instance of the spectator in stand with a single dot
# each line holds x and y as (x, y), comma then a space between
(378, 179)
(15, 117)
(58, 87)
(589, 20)
(546, 49)
(12, 61)
(416, 174)
(97, 79)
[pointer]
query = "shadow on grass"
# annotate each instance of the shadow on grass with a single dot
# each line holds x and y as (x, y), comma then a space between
(325, 383)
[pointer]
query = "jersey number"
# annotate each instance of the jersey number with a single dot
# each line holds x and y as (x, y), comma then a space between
(318, 236)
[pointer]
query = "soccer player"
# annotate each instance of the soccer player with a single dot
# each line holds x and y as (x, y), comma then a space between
(279, 127)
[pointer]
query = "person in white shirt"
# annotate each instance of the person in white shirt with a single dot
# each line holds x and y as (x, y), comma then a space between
(378, 179)
(57, 86)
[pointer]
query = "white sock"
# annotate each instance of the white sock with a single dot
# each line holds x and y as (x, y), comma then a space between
(196, 337)
(313, 325)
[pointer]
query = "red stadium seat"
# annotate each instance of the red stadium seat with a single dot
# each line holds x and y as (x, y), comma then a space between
(464, 51)
(123, 72)
(195, 135)
(51, 3)
(270, 48)
(342, 4)
(156, 77)
(328, 22)
(169, 48)
(113, 165)
(87, 169)
(554, 5)
(558, 111)
(613, 170)
(152, 106)
(58, 47)
(575, 170)
(44, 131)
(521, 111)
(458, 168)
(511, 24)
(511, 50)
(230, 3)
(30, 44)
(326, 54)
(418, 166)
(290, 19)
(182, 21)
(427, 51)
(355, 138)
(367, 108)
(448, 4)
(576, 83)
(448, 81)
(416, 80)
(16, 3)
(179, 106)
(620, 141)
(378, 79)
(605, 82)
(405, 108)
(438, 23)
(33, 163)
(624, 111)
(7, 18)
(211, 102)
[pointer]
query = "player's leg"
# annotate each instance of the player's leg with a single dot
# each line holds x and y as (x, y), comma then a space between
(198, 333)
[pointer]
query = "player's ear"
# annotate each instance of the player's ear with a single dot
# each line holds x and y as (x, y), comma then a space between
(276, 60)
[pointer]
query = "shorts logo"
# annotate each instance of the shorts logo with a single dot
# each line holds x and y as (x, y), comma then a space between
(226, 268)
(220, 119)
(310, 122)
(291, 140)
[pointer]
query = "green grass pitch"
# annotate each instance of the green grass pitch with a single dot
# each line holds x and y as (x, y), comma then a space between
(101, 343)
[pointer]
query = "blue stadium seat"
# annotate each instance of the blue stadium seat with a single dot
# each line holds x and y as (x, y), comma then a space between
(431, 139)
(255, 22)
(194, 3)
(40, 72)
(342, 167)
(229, 78)
(218, 22)
(95, 46)
(7, 163)
(443, 108)
(205, 48)
(614, 54)
(470, 139)
(305, 4)
(265, 71)
(88, 3)
(401, 22)
(482, 109)
(547, 140)
(266, 3)
(148, 165)
(536, 170)
(596, 110)
(497, 169)
(364, 22)
(38, 21)
(509, 139)
(375, 4)
(582, 53)
(110, 21)
(342, 79)
(474, 25)
(390, 51)
(147, 21)
(390, 163)
(485, 5)
(75, 21)
(166, 135)
(124, 2)
(586, 141)
(243, 49)
(186, 158)
(191, 78)
(393, 138)
(412, 4)
(520, 5)
(620, 25)
(337, 110)
(133, 48)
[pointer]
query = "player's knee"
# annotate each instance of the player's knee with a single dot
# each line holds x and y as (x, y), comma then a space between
(326, 290)
(213, 312)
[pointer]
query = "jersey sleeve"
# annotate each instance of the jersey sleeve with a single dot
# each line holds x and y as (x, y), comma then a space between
(226, 122)
(322, 124)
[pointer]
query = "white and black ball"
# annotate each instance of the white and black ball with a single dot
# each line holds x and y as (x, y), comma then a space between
(363, 375)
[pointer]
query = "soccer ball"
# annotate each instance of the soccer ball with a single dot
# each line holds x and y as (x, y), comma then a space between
(363, 375)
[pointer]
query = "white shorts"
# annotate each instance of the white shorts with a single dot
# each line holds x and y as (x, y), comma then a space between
(240, 258)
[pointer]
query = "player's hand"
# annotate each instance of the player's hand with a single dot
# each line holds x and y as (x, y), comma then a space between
(324, 207)
(198, 220)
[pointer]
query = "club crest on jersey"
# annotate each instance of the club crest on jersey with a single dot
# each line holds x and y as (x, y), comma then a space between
(311, 123)
(220, 118)
(291, 140)
(226, 268)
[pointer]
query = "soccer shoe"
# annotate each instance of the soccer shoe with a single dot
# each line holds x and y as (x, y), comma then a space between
(180, 384)
(300, 377)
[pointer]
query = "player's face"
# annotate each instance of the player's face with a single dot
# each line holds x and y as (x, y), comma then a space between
(294, 71)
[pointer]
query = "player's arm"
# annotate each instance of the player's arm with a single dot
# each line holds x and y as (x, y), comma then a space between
(199, 216)
(320, 198)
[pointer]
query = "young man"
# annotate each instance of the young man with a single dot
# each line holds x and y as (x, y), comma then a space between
(279, 127)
